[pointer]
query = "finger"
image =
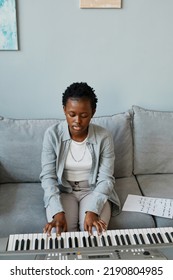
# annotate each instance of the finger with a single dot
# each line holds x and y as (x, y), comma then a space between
(85, 226)
(49, 229)
(103, 225)
(103, 222)
(58, 230)
(98, 227)
(46, 228)
(90, 230)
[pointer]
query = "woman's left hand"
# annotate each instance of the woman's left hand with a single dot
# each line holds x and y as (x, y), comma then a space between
(92, 220)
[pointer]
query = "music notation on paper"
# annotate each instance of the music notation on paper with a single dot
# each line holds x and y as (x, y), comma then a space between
(162, 207)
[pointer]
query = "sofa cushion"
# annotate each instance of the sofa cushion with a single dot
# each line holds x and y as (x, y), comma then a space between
(20, 149)
(153, 141)
(127, 219)
(120, 127)
(21, 209)
(159, 186)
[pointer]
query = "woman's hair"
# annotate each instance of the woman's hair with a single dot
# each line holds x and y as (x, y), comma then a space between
(80, 90)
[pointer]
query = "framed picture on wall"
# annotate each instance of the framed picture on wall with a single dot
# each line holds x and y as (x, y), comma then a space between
(100, 4)
(8, 25)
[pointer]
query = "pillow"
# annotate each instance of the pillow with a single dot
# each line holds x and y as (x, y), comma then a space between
(120, 127)
(153, 141)
(20, 149)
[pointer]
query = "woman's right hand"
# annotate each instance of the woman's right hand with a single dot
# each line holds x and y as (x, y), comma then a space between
(58, 222)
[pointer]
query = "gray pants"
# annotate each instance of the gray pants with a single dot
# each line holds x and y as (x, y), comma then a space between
(75, 206)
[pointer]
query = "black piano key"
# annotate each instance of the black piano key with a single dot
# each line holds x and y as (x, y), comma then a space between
(28, 242)
(76, 242)
(42, 244)
(16, 245)
(117, 240)
(168, 237)
(172, 233)
(155, 238)
(36, 244)
(136, 239)
(141, 238)
(70, 242)
(62, 242)
(89, 241)
(128, 239)
(22, 244)
(84, 241)
(122, 239)
(160, 237)
(150, 238)
(50, 243)
(103, 240)
(95, 241)
(56, 243)
(109, 240)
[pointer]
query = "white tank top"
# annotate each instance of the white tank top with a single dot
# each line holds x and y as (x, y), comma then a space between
(78, 162)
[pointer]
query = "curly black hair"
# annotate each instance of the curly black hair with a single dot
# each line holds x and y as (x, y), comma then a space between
(80, 90)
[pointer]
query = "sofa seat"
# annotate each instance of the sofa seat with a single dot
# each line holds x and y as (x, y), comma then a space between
(157, 185)
(21, 208)
(23, 211)
(128, 220)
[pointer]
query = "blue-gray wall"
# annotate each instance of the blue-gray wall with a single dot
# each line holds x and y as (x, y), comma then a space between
(125, 54)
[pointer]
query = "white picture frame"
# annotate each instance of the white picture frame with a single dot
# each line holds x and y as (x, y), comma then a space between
(8, 25)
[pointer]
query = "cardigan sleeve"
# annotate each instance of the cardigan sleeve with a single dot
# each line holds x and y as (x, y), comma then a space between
(48, 174)
(103, 170)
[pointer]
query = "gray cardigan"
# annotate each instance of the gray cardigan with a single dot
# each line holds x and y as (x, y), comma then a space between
(101, 180)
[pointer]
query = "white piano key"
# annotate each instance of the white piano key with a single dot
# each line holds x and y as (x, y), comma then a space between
(33, 240)
(16, 237)
(84, 234)
(52, 236)
(25, 237)
(30, 237)
(11, 243)
(97, 238)
(66, 237)
(20, 238)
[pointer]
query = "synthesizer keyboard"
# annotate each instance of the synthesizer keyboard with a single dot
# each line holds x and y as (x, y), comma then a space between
(146, 242)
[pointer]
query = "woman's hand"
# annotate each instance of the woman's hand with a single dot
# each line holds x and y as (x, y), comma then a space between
(92, 220)
(59, 222)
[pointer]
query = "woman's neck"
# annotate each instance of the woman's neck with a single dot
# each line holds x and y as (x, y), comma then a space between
(79, 138)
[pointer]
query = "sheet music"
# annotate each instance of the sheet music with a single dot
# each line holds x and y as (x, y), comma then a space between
(161, 207)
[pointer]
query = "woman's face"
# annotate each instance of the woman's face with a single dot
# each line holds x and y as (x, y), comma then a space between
(78, 115)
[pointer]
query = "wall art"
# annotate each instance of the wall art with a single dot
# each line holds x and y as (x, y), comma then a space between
(100, 4)
(8, 25)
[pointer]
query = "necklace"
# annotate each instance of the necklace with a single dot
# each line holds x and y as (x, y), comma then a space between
(82, 157)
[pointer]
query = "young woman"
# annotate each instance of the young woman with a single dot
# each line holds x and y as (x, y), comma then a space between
(77, 167)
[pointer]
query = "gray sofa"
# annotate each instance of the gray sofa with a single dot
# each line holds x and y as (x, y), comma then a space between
(144, 166)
